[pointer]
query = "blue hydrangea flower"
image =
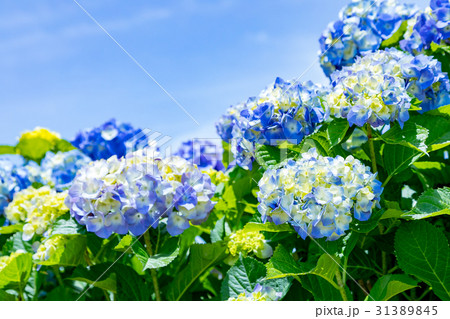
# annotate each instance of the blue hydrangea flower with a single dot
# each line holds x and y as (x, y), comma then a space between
(109, 139)
(362, 26)
(134, 192)
(58, 170)
(202, 153)
(284, 111)
(319, 196)
(15, 175)
(378, 88)
(432, 25)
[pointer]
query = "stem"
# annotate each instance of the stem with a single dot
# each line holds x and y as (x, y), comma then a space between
(372, 148)
(20, 292)
(424, 294)
(58, 276)
(344, 273)
(341, 286)
(157, 240)
(383, 253)
(148, 245)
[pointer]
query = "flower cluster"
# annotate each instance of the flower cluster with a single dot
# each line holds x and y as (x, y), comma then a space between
(59, 170)
(15, 175)
(49, 247)
(245, 242)
(202, 153)
(37, 208)
(132, 193)
(430, 26)
(109, 139)
(377, 88)
(259, 293)
(361, 28)
(319, 195)
(285, 111)
(34, 144)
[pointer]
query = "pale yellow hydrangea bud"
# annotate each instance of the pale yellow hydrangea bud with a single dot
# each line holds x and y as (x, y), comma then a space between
(37, 208)
(246, 242)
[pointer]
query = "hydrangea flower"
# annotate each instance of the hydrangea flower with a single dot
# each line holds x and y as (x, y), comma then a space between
(378, 88)
(362, 26)
(15, 175)
(34, 144)
(432, 25)
(109, 139)
(245, 242)
(259, 293)
(58, 170)
(284, 111)
(319, 196)
(38, 209)
(202, 153)
(49, 247)
(132, 193)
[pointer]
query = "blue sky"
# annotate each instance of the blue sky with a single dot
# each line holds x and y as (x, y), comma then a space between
(59, 70)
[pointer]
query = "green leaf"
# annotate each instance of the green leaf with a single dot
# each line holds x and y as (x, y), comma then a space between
(69, 254)
(124, 243)
(282, 264)
(439, 130)
(443, 111)
(11, 229)
(15, 243)
(65, 226)
(169, 251)
(34, 149)
(202, 257)
(270, 156)
(432, 174)
(412, 135)
(388, 286)
(337, 131)
(220, 230)
(269, 227)
(397, 158)
(321, 289)
(101, 276)
(7, 149)
(4, 296)
(396, 37)
(16, 273)
(431, 203)
(242, 277)
(368, 225)
(422, 251)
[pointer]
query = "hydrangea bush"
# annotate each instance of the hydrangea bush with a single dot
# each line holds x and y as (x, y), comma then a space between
(318, 192)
